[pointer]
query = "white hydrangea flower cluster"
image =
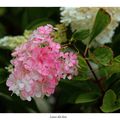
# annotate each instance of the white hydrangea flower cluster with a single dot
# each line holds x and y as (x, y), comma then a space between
(83, 18)
(12, 42)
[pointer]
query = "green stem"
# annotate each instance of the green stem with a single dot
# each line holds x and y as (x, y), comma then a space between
(86, 50)
(90, 67)
(95, 76)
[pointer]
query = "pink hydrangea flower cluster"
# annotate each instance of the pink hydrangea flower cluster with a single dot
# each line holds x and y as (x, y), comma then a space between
(39, 64)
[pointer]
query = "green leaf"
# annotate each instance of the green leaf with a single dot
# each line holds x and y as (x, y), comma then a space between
(110, 102)
(76, 87)
(115, 65)
(5, 96)
(87, 97)
(104, 72)
(117, 59)
(101, 22)
(111, 69)
(83, 69)
(113, 82)
(80, 35)
(82, 63)
(102, 55)
(115, 86)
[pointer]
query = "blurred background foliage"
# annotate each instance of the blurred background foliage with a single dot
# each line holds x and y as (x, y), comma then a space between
(13, 21)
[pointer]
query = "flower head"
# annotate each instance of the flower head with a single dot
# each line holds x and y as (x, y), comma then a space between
(39, 64)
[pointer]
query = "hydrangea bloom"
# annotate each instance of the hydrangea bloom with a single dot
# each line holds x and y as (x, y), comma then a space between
(39, 64)
(12, 42)
(83, 18)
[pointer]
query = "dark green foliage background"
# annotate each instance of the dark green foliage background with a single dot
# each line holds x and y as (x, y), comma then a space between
(13, 21)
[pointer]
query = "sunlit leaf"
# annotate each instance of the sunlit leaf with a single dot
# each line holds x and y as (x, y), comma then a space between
(80, 35)
(102, 55)
(110, 102)
(87, 97)
(102, 20)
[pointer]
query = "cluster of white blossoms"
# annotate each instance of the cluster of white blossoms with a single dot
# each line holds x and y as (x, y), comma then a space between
(12, 42)
(84, 17)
